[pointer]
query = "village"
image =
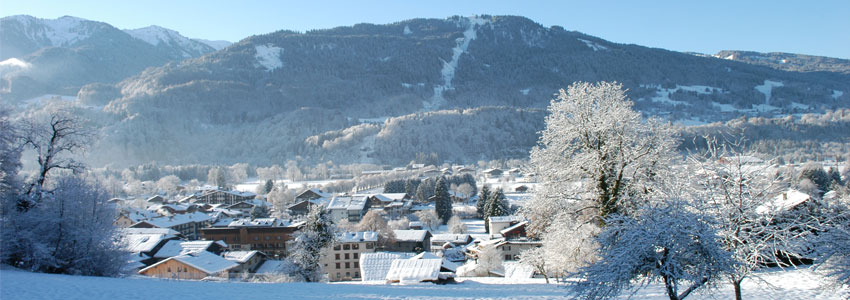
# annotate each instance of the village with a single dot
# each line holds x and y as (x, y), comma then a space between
(214, 233)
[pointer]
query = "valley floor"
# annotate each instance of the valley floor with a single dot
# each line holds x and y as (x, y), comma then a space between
(15, 284)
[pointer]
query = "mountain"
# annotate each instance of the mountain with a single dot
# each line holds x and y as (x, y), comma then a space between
(217, 45)
(170, 41)
(368, 92)
(43, 56)
(789, 61)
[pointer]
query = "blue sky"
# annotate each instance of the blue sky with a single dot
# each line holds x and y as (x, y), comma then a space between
(810, 27)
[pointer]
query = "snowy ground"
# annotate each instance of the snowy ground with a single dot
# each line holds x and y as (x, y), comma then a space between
(15, 284)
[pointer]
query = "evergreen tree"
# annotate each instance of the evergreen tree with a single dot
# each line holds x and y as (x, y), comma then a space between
(306, 253)
(482, 200)
(411, 185)
(269, 186)
(394, 186)
(443, 203)
(497, 205)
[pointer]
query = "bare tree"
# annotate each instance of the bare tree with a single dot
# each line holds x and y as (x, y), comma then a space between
(53, 143)
(428, 218)
(535, 258)
(374, 221)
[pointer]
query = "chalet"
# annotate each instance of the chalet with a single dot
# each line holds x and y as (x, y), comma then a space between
(351, 208)
(143, 243)
(249, 261)
(194, 265)
(342, 260)
(502, 222)
(515, 232)
(222, 197)
(176, 247)
(464, 170)
(492, 173)
(515, 172)
(245, 207)
(431, 171)
(303, 207)
(385, 199)
(375, 266)
(311, 194)
(439, 241)
(189, 225)
(267, 235)
(510, 249)
(123, 221)
(411, 241)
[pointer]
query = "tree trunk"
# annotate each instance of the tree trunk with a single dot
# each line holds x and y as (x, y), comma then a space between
(737, 285)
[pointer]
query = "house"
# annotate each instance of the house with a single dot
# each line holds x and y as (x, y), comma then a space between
(311, 194)
(431, 171)
(156, 200)
(123, 221)
(189, 225)
(249, 261)
(492, 173)
(267, 235)
(411, 241)
(303, 207)
(502, 222)
(217, 196)
(342, 259)
(193, 265)
(351, 208)
(439, 241)
(787, 201)
(385, 199)
(515, 232)
(143, 243)
(176, 247)
(245, 207)
(375, 266)
(510, 249)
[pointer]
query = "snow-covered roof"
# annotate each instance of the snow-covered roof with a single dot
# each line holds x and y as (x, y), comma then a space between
(785, 201)
(387, 197)
(414, 270)
(410, 235)
(175, 248)
(259, 222)
(356, 237)
(375, 266)
(457, 239)
(509, 229)
(270, 267)
(204, 261)
(145, 239)
(239, 256)
(445, 264)
(505, 219)
(347, 203)
(180, 219)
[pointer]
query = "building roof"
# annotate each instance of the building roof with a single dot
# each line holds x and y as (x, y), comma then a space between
(785, 201)
(414, 270)
(445, 264)
(375, 266)
(506, 219)
(239, 256)
(271, 267)
(512, 228)
(457, 239)
(180, 219)
(175, 248)
(410, 235)
(356, 237)
(145, 239)
(259, 222)
(347, 203)
(204, 261)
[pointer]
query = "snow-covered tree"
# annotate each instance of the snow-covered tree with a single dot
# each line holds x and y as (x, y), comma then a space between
(665, 243)
(54, 141)
(306, 251)
(489, 259)
(594, 154)
(483, 195)
(832, 245)
(443, 200)
(428, 218)
(168, 184)
(467, 190)
(374, 221)
(536, 258)
(569, 245)
(456, 226)
(10, 161)
(217, 177)
(402, 223)
(738, 194)
(70, 231)
(260, 211)
(497, 205)
(237, 172)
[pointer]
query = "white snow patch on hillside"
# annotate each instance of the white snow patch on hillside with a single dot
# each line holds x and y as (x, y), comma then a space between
(449, 67)
(407, 30)
(662, 95)
(155, 35)
(766, 89)
(268, 57)
(730, 57)
(836, 94)
(525, 91)
(593, 45)
(65, 31)
(13, 63)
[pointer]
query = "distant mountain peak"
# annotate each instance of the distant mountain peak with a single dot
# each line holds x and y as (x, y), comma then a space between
(156, 35)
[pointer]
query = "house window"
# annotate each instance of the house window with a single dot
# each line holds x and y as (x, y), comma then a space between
(346, 247)
(336, 256)
(268, 238)
(508, 248)
(507, 257)
(369, 246)
(278, 237)
(346, 256)
(356, 265)
(179, 269)
(337, 265)
(347, 266)
(336, 247)
(347, 274)
(169, 269)
(356, 274)
(355, 246)
(338, 276)
(356, 255)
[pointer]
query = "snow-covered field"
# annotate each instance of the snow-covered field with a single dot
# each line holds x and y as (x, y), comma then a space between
(15, 284)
